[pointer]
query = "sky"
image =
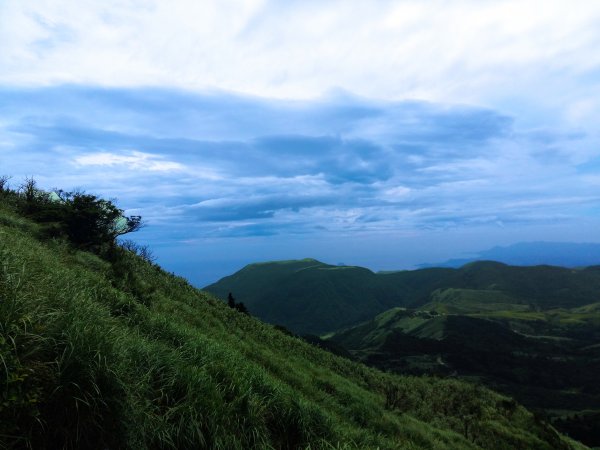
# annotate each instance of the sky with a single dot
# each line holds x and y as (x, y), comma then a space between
(385, 134)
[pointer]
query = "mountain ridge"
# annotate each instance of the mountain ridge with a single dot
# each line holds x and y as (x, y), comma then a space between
(314, 299)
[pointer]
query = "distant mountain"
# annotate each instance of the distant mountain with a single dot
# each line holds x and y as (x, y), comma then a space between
(565, 254)
(310, 297)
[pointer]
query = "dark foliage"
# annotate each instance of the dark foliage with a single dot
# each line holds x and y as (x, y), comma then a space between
(584, 427)
(87, 221)
(235, 305)
(4, 183)
(241, 308)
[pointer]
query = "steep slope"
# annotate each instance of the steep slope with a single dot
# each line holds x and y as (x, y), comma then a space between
(311, 297)
(117, 353)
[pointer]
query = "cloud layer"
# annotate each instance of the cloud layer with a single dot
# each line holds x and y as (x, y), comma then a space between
(218, 165)
(450, 51)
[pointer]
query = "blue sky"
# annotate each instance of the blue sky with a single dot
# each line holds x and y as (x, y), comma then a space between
(384, 134)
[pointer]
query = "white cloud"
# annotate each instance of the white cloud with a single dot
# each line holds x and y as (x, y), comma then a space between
(461, 50)
(133, 161)
(396, 193)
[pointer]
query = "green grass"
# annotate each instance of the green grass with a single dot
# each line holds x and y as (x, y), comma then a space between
(465, 301)
(124, 355)
(558, 317)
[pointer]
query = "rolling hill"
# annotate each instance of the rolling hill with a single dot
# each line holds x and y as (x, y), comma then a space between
(100, 348)
(306, 296)
(309, 296)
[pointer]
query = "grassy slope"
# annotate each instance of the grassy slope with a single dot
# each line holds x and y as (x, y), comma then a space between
(549, 360)
(128, 356)
(465, 301)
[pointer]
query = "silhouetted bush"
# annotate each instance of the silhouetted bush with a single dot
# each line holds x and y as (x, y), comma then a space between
(238, 306)
(88, 222)
(241, 308)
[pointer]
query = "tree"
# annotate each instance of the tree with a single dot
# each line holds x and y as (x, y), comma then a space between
(242, 308)
(4, 179)
(143, 251)
(29, 189)
(230, 300)
(237, 306)
(88, 221)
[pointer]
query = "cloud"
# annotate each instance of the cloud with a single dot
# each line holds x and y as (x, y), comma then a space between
(253, 207)
(519, 53)
(134, 160)
(339, 164)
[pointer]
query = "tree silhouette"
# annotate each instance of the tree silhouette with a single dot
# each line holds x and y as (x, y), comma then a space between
(4, 179)
(230, 300)
(237, 306)
(241, 308)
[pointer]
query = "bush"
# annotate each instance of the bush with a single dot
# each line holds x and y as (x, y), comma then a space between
(88, 222)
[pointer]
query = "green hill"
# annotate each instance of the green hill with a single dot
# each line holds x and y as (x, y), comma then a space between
(425, 335)
(99, 348)
(308, 296)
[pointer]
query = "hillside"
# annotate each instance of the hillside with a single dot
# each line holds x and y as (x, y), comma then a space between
(312, 297)
(102, 349)
(548, 360)
(306, 296)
